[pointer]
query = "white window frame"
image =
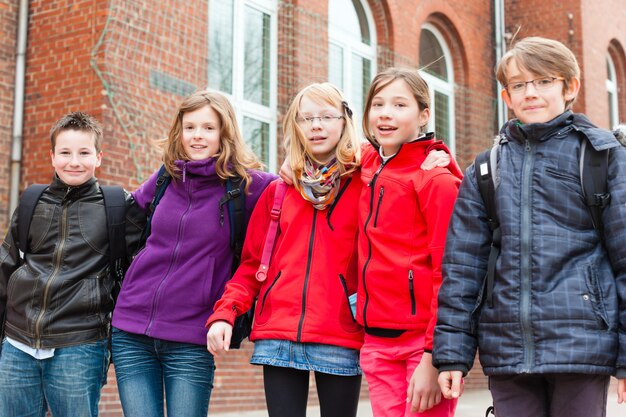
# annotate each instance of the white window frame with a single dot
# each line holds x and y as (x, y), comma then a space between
(611, 88)
(245, 108)
(344, 40)
(441, 86)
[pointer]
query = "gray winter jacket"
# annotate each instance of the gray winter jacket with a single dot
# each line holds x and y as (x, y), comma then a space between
(559, 297)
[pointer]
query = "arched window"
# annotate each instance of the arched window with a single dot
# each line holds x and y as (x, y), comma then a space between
(351, 50)
(436, 68)
(242, 63)
(611, 88)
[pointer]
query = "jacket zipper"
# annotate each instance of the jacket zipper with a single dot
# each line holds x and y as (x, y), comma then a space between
(55, 271)
(268, 291)
(345, 291)
(332, 207)
(172, 260)
(372, 186)
(306, 275)
(525, 239)
(380, 200)
(412, 292)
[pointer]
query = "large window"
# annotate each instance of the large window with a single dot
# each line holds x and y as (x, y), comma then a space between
(436, 68)
(611, 88)
(242, 64)
(351, 50)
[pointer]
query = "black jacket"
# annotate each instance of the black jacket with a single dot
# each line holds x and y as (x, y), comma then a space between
(59, 294)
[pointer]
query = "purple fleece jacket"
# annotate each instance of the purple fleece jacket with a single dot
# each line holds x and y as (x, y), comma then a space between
(174, 281)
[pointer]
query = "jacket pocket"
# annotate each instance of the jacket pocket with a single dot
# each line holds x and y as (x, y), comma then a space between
(381, 193)
(93, 226)
(264, 299)
(347, 295)
(412, 292)
(40, 225)
(596, 298)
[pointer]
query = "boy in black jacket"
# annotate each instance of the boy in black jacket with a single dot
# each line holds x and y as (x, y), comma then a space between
(56, 300)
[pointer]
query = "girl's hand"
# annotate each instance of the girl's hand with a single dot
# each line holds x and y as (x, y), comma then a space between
(451, 384)
(285, 171)
(424, 392)
(621, 391)
(436, 159)
(218, 337)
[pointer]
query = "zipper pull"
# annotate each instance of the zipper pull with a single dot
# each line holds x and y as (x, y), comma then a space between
(411, 280)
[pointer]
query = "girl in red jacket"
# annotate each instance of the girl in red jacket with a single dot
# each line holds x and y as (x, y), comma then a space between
(303, 320)
(403, 219)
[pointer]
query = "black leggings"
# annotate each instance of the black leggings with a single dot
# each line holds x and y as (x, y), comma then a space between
(287, 391)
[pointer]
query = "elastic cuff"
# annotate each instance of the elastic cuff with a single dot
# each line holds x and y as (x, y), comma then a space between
(453, 367)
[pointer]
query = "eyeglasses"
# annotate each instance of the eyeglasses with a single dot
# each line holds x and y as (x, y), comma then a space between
(325, 120)
(542, 83)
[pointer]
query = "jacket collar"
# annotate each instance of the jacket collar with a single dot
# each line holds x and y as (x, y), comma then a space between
(520, 132)
(58, 187)
(204, 168)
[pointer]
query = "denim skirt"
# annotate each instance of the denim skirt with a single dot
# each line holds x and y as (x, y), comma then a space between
(328, 359)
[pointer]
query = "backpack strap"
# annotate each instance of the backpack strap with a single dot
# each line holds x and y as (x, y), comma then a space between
(115, 207)
(235, 199)
(485, 167)
(272, 231)
(28, 202)
(163, 180)
(594, 166)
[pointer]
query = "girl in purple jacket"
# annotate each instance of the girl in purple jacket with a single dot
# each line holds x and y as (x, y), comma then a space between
(159, 339)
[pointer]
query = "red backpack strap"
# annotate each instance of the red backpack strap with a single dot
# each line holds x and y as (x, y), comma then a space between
(272, 231)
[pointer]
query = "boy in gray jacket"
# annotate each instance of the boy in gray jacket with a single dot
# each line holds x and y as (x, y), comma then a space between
(554, 327)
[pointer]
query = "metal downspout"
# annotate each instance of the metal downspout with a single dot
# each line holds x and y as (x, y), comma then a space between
(500, 49)
(18, 105)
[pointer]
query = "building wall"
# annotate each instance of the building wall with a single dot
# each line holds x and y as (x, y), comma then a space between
(131, 63)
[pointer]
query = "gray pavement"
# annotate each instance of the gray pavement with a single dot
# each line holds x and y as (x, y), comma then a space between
(472, 403)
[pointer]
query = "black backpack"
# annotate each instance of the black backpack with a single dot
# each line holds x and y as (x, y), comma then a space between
(234, 200)
(115, 207)
(593, 175)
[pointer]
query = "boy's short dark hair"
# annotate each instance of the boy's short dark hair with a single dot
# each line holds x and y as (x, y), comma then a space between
(541, 56)
(80, 121)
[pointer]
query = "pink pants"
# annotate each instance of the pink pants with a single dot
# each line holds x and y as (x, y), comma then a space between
(388, 364)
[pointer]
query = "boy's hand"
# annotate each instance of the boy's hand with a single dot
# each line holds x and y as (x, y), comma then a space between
(285, 171)
(451, 384)
(436, 159)
(621, 391)
(218, 337)
(423, 392)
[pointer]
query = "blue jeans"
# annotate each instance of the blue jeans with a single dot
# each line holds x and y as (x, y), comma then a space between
(146, 367)
(69, 382)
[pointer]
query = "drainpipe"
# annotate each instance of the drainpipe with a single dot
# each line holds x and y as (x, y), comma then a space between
(18, 105)
(500, 47)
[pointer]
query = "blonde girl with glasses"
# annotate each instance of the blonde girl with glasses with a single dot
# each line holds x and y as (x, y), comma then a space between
(303, 322)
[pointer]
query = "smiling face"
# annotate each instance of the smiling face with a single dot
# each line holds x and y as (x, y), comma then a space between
(74, 157)
(201, 133)
(321, 133)
(537, 106)
(395, 117)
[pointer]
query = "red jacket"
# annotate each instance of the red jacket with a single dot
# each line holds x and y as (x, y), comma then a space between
(312, 272)
(403, 220)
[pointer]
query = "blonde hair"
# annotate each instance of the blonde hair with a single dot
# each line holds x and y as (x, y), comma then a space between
(234, 157)
(543, 57)
(416, 84)
(347, 151)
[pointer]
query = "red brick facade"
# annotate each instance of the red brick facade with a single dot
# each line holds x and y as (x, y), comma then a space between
(124, 61)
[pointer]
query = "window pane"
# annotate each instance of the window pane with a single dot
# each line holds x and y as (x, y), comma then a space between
(361, 77)
(257, 136)
(431, 55)
(442, 117)
(221, 45)
(335, 65)
(257, 57)
(349, 17)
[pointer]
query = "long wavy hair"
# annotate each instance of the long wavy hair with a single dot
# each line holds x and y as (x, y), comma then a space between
(347, 152)
(234, 157)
